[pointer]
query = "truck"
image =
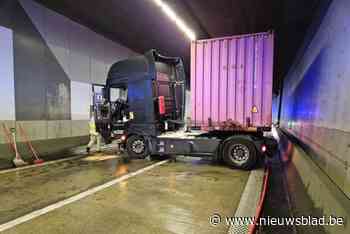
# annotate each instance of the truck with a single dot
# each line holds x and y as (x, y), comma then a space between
(225, 114)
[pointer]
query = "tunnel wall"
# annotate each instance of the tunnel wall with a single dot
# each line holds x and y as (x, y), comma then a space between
(316, 101)
(7, 100)
(48, 67)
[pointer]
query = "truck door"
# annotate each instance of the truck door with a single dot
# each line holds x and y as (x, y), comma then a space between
(97, 103)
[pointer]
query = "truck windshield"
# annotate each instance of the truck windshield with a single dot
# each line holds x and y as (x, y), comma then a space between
(118, 94)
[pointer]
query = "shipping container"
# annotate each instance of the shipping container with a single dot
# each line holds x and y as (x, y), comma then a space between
(231, 80)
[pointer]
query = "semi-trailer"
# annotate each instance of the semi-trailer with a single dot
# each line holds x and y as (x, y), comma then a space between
(230, 115)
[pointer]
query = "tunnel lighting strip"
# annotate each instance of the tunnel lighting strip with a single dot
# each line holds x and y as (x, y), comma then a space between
(177, 20)
(75, 198)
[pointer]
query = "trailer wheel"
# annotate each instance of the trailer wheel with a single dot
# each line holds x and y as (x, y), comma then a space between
(137, 147)
(239, 153)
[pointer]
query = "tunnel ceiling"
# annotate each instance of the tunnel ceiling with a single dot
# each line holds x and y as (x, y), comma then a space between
(140, 25)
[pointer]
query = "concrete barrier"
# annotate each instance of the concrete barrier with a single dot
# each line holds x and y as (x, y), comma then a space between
(307, 181)
(52, 139)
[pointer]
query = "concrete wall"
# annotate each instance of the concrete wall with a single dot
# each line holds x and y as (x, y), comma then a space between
(316, 101)
(48, 65)
(83, 55)
(316, 97)
(311, 191)
(7, 100)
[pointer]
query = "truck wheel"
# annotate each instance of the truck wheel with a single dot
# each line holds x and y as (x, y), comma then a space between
(137, 147)
(239, 153)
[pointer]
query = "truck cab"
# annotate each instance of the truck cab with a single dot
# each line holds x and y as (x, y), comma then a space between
(143, 96)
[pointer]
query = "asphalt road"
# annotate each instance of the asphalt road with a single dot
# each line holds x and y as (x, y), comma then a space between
(170, 198)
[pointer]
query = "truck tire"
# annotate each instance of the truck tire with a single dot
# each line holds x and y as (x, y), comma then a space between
(137, 147)
(239, 153)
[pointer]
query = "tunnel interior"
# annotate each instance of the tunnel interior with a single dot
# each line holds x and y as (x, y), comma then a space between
(56, 54)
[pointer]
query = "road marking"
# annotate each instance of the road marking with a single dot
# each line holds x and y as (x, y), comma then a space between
(75, 198)
(99, 158)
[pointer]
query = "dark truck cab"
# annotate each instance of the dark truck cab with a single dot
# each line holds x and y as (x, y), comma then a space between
(144, 106)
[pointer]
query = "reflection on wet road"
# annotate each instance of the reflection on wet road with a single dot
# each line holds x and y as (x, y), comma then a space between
(24, 191)
(171, 198)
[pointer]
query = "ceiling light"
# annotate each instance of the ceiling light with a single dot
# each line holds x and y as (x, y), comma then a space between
(179, 22)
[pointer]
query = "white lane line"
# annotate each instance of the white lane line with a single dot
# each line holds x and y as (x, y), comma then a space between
(75, 198)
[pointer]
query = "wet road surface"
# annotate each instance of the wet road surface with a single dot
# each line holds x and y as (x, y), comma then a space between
(24, 191)
(172, 198)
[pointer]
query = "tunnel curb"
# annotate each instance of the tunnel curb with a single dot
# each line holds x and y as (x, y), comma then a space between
(250, 199)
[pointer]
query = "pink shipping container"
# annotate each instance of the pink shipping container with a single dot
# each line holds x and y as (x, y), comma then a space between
(231, 79)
